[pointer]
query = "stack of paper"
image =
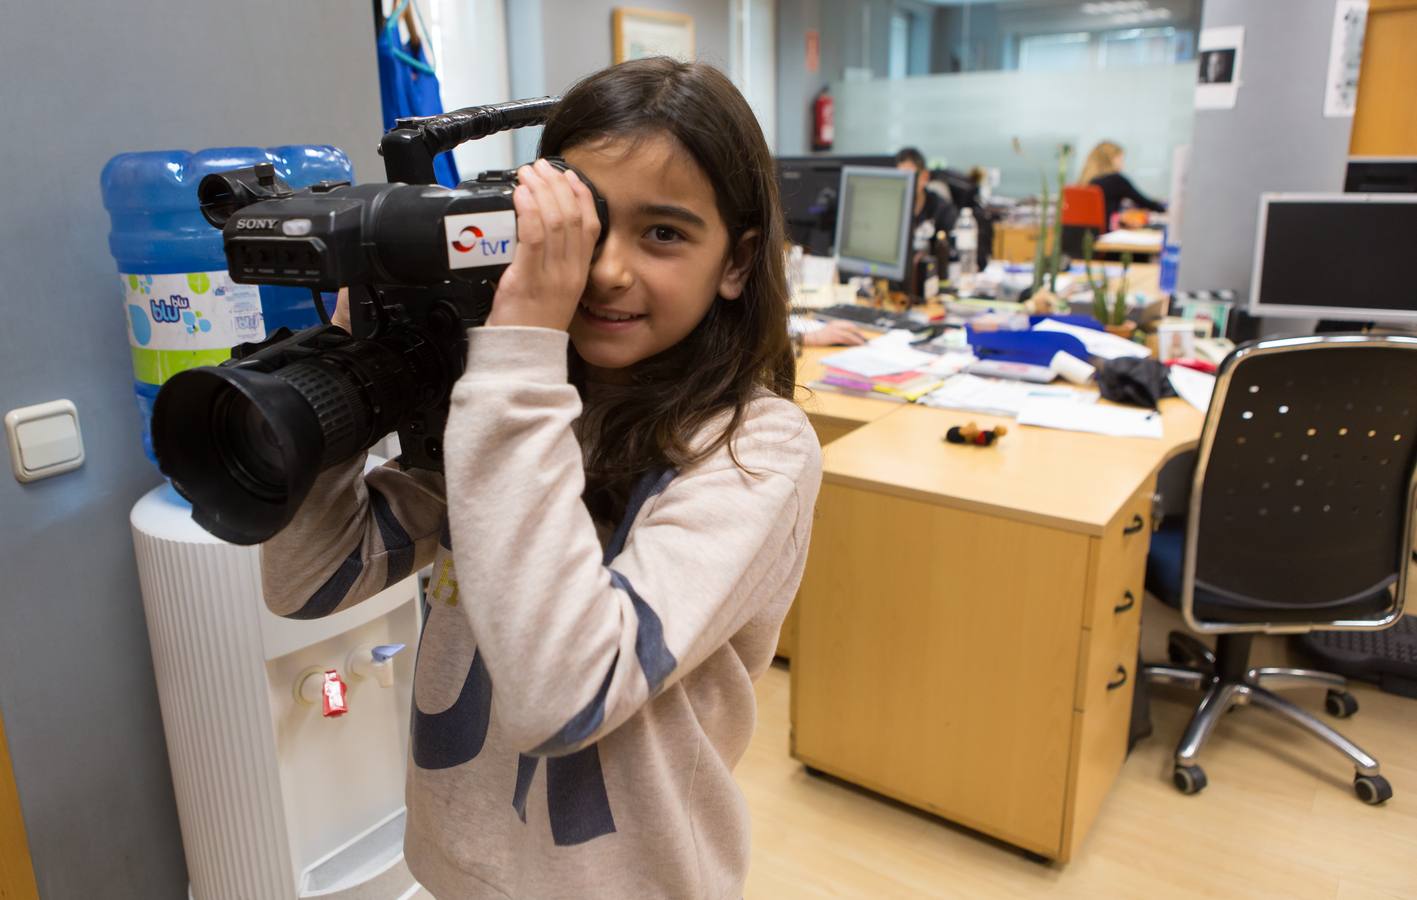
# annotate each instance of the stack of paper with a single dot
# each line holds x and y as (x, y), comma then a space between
(877, 359)
(997, 397)
(1116, 421)
(1144, 239)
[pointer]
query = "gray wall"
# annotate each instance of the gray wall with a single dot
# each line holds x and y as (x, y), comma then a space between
(84, 81)
(1275, 139)
(552, 43)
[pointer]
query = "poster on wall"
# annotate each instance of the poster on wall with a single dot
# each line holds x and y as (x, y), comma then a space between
(1218, 80)
(638, 33)
(1345, 57)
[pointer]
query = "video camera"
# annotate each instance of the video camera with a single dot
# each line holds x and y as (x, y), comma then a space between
(245, 440)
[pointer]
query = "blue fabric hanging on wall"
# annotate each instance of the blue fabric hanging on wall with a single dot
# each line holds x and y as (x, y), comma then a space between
(408, 87)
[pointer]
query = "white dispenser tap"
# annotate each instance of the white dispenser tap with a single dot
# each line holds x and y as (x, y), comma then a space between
(374, 660)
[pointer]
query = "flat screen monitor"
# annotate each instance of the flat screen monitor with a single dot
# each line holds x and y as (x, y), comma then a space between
(873, 225)
(1335, 256)
(807, 188)
(1381, 175)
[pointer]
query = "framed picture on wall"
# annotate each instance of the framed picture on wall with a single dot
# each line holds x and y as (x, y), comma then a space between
(638, 33)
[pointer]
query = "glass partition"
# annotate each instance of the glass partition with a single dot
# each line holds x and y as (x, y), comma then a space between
(971, 119)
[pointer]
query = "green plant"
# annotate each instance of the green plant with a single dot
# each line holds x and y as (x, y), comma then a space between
(1116, 313)
(1048, 256)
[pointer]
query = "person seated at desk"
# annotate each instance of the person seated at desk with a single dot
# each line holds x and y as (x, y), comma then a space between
(1104, 169)
(930, 207)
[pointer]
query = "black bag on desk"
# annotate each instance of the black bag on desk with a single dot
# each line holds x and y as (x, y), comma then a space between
(1140, 382)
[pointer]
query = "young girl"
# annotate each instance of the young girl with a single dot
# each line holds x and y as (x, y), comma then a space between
(620, 528)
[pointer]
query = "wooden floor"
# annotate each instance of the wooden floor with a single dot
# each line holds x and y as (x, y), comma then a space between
(1279, 818)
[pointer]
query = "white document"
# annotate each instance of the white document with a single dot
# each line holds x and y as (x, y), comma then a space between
(896, 337)
(1147, 239)
(1098, 343)
(1345, 57)
(1194, 387)
(872, 361)
(1218, 80)
(1114, 421)
(997, 397)
(818, 272)
(948, 364)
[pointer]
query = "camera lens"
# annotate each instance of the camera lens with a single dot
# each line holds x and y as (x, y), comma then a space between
(245, 445)
(248, 446)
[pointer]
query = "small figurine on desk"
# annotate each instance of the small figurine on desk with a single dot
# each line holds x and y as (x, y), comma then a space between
(973, 434)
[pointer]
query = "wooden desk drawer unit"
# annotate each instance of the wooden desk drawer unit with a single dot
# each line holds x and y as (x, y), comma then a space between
(994, 693)
(967, 626)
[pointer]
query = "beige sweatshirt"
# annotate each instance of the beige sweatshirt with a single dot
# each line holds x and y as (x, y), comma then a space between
(579, 704)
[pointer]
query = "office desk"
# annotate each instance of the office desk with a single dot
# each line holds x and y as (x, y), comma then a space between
(834, 414)
(968, 621)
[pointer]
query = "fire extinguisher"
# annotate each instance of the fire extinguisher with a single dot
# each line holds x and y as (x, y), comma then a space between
(823, 129)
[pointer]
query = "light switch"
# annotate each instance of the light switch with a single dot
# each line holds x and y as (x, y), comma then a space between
(44, 440)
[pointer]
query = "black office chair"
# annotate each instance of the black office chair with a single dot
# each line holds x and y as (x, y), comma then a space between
(1300, 519)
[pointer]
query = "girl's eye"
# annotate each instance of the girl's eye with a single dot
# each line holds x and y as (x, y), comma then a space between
(664, 234)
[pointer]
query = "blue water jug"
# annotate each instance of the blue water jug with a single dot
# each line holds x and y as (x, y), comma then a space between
(183, 310)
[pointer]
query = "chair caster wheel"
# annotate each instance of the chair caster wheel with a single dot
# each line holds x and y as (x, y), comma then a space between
(1189, 779)
(1372, 789)
(1340, 704)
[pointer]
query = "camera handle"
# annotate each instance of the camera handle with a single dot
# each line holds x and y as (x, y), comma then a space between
(410, 147)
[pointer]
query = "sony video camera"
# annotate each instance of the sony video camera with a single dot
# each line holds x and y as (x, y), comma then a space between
(244, 441)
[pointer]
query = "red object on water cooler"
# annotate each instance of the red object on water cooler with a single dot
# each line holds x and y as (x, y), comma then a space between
(333, 693)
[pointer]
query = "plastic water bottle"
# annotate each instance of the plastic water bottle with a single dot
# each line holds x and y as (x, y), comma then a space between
(182, 308)
(795, 257)
(966, 244)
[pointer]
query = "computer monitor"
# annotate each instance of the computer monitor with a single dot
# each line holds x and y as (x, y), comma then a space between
(1381, 175)
(807, 187)
(1335, 256)
(873, 225)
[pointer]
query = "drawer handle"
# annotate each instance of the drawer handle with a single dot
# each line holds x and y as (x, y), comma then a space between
(1137, 524)
(1123, 607)
(1121, 679)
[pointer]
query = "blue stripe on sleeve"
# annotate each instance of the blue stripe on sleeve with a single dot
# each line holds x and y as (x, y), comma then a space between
(526, 770)
(584, 723)
(329, 594)
(397, 544)
(654, 656)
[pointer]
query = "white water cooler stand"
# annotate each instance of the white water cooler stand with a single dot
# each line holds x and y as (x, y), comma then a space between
(276, 801)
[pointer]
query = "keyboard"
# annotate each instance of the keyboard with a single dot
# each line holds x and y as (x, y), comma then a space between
(870, 316)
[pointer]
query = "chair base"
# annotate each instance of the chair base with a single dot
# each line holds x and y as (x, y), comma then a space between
(1228, 682)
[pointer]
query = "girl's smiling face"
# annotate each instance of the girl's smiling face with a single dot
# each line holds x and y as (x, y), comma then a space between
(665, 258)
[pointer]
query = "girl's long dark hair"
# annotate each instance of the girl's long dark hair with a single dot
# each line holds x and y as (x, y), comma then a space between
(741, 346)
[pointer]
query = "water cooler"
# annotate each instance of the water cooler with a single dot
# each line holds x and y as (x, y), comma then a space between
(277, 801)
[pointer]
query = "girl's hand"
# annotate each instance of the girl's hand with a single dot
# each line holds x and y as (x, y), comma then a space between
(557, 228)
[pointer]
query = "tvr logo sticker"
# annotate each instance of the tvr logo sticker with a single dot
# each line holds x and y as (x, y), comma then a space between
(481, 239)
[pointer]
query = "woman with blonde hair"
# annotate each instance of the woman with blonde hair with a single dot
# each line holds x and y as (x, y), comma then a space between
(1104, 169)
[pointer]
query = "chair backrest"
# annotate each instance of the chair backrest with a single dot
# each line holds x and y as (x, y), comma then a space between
(1303, 490)
(1084, 206)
